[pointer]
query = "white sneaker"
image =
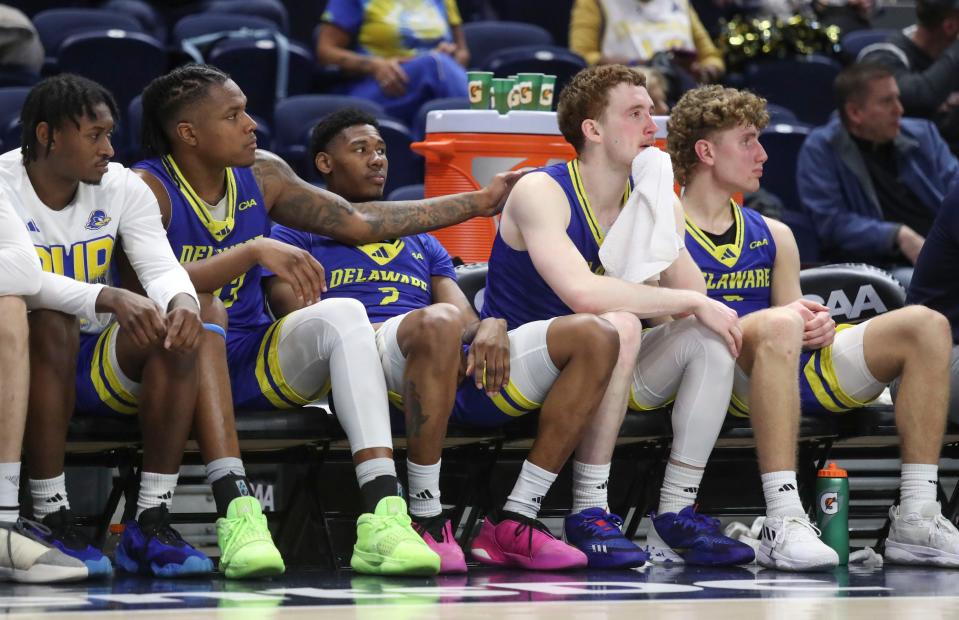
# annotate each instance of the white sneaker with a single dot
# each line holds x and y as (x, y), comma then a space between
(27, 560)
(792, 543)
(925, 537)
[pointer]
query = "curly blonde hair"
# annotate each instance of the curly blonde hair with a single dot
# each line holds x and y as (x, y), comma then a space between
(587, 95)
(704, 111)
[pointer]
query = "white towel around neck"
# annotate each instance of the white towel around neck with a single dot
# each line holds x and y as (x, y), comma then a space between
(642, 242)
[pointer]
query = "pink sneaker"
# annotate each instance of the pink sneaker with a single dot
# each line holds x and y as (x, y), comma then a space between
(452, 559)
(520, 541)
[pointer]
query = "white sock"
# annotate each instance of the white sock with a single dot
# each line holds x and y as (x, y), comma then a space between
(220, 468)
(49, 496)
(782, 494)
(155, 489)
(590, 484)
(374, 468)
(918, 485)
(9, 492)
(680, 487)
(531, 487)
(424, 489)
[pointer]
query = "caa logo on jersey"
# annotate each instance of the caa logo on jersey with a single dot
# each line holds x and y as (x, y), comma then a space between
(246, 204)
(829, 502)
(98, 219)
(758, 244)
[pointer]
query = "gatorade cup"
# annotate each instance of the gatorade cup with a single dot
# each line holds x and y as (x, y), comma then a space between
(529, 87)
(832, 509)
(501, 90)
(546, 93)
(514, 99)
(479, 89)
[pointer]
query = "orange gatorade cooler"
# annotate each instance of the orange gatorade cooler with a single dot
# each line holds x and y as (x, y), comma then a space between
(465, 149)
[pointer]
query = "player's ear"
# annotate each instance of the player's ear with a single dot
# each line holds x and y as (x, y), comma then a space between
(323, 162)
(590, 130)
(705, 152)
(44, 133)
(185, 132)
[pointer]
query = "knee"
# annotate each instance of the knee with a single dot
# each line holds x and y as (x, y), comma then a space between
(212, 310)
(54, 337)
(596, 339)
(704, 343)
(928, 329)
(437, 327)
(343, 313)
(13, 325)
(777, 331)
(629, 331)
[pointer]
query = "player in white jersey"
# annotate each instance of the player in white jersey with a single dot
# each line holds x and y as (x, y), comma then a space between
(22, 557)
(75, 206)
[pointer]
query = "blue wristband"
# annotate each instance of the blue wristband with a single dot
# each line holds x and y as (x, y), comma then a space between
(216, 329)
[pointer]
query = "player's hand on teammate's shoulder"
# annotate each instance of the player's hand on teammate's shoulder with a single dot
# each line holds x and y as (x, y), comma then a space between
(496, 193)
(722, 320)
(139, 316)
(488, 358)
(295, 266)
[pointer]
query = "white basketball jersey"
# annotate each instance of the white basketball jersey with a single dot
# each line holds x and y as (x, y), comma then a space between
(638, 30)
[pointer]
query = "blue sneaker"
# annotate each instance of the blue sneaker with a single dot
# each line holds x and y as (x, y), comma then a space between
(691, 538)
(597, 533)
(59, 531)
(149, 546)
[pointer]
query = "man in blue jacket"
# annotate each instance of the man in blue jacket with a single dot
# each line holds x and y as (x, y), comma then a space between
(871, 180)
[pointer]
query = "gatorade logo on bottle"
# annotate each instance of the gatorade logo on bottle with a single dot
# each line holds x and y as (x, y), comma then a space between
(829, 503)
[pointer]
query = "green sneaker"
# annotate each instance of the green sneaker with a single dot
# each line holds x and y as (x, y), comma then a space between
(246, 547)
(387, 544)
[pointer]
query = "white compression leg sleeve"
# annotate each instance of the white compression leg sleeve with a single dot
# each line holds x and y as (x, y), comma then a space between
(686, 360)
(332, 340)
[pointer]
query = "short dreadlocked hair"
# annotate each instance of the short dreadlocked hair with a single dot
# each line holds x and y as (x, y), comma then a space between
(165, 97)
(333, 123)
(56, 100)
(703, 111)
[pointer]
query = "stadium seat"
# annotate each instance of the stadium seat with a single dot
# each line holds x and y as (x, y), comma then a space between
(130, 151)
(446, 103)
(210, 23)
(272, 10)
(253, 66)
(14, 75)
(853, 292)
(777, 80)
(11, 101)
(853, 42)
(407, 192)
(124, 62)
(151, 20)
(296, 116)
(547, 59)
(406, 167)
(56, 25)
(781, 115)
(782, 143)
(486, 38)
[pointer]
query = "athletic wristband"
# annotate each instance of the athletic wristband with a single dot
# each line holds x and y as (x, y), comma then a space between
(216, 329)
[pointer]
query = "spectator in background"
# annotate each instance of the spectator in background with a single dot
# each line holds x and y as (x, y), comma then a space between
(631, 32)
(656, 86)
(934, 282)
(20, 46)
(406, 52)
(872, 180)
(925, 61)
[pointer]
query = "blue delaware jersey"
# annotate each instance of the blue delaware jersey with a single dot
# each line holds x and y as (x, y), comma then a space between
(194, 234)
(389, 278)
(514, 289)
(739, 274)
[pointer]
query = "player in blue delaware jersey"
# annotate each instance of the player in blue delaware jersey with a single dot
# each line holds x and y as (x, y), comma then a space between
(751, 263)
(217, 193)
(545, 263)
(422, 321)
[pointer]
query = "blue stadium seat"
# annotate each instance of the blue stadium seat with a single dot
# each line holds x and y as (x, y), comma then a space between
(56, 25)
(13, 75)
(407, 192)
(777, 81)
(446, 103)
(149, 18)
(486, 38)
(272, 10)
(11, 101)
(782, 143)
(853, 42)
(295, 118)
(124, 62)
(547, 59)
(781, 115)
(406, 167)
(129, 150)
(209, 23)
(252, 65)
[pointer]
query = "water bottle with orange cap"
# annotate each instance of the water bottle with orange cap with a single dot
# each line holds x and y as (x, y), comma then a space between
(832, 509)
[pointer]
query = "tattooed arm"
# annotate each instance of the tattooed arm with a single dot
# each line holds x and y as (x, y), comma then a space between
(297, 204)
